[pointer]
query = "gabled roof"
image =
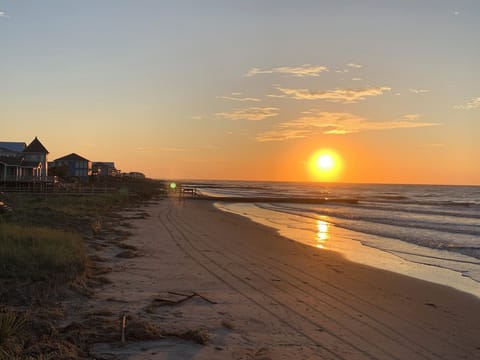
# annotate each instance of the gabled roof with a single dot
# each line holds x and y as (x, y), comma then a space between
(36, 147)
(13, 146)
(71, 157)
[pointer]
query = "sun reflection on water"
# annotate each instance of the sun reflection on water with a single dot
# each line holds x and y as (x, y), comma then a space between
(323, 233)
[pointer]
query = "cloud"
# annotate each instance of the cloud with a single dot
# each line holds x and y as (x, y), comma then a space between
(3, 14)
(456, 12)
(235, 97)
(251, 113)
(471, 105)
(339, 95)
(356, 66)
(419, 91)
(412, 117)
(316, 122)
(299, 71)
(357, 79)
(143, 149)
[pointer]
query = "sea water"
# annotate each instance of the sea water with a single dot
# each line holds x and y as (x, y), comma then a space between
(426, 231)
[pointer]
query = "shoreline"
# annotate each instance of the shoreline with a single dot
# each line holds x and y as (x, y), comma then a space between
(350, 244)
(272, 298)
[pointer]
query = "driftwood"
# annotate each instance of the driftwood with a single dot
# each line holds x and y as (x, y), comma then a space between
(185, 297)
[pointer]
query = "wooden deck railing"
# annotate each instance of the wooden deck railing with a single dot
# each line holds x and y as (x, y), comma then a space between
(27, 178)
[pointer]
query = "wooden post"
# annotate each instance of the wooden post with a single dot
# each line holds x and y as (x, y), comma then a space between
(124, 325)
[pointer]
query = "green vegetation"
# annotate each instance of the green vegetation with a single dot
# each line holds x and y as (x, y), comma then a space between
(42, 237)
(40, 253)
(43, 250)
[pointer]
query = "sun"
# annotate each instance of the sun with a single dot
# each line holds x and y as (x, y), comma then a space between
(325, 165)
(325, 162)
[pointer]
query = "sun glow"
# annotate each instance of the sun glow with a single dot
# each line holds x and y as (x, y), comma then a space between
(325, 165)
(325, 162)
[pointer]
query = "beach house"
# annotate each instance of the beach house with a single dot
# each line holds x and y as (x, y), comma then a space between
(104, 168)
(76, 166)
(22, 162)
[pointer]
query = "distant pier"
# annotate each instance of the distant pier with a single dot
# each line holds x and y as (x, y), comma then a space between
(195, 194)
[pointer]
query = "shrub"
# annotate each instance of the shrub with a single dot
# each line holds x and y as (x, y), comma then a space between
(11, 327)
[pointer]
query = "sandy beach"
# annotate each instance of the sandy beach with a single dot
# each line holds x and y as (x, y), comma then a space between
(244, 292)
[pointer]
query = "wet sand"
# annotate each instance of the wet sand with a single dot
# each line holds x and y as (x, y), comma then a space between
(257, 295)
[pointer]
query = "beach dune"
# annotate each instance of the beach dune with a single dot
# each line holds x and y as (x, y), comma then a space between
(257, 295)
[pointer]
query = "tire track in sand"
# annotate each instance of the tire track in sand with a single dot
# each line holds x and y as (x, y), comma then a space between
(224, 276)
(327, 340)
(380, 332)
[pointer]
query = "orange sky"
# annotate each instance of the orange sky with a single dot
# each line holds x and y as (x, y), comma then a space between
(248, 90)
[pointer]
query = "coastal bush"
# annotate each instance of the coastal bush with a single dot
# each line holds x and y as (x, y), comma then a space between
(40, 253)
(11, 328)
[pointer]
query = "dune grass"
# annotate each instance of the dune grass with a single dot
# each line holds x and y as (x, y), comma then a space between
(35, 253)
(42, 243)
(42, 237)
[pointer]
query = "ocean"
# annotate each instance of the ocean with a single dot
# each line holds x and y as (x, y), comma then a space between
(429, 232)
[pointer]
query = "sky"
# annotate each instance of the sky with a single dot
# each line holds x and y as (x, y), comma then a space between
(248, 90)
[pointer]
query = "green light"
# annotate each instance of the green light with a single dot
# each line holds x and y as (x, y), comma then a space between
(173, 185)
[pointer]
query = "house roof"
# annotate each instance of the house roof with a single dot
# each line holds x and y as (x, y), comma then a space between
(36, 147)
(11, 161)
(103, 163)
(71, 157)
(13, 146)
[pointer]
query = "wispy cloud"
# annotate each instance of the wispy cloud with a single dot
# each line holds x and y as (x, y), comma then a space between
(236, 97)
(3, 14)
(316, 122)
(174, 149)
(357, 79)
(338, 95)
(251, 113)
(471, 105)
(419, 91)
(298, 71)
(412, 117)
(353, 65)
(143, 149)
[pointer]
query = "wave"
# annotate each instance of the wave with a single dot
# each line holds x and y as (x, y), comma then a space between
(435, 233)
(422, 195)
(388, 216)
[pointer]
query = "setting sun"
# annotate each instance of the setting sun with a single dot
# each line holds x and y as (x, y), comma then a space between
(325, 162)
(325, 165)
